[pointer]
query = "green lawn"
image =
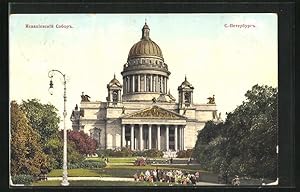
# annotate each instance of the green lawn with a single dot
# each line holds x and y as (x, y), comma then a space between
(101, 183)
(121, 160)
(112, 170)
(124, 167)
(94, 159)
(74, 173)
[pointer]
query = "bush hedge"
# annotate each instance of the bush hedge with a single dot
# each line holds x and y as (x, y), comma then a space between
(125, 152)
(153, 153)
(185, 153)
(140, 162)
(88, 164)
(22, 179)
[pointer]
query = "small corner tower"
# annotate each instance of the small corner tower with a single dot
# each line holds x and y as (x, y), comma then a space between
(185, 94)
(114, 89)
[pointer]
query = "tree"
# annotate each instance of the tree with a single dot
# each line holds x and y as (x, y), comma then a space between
(246, 142)
(85, 145)
(42, 117)
(54, 147)
(26, 151)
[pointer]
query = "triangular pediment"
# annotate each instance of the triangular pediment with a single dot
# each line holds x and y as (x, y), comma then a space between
(155, 112)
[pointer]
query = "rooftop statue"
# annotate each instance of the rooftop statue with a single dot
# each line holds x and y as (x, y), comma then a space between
(85, 98)
(211, 100)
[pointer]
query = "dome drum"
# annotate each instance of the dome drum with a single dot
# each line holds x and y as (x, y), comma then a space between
(143, 68)
(145, 71)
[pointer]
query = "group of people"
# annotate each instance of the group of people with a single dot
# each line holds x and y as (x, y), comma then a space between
(168, 176)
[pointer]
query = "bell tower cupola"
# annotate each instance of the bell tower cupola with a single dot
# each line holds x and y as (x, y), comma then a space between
(114, 89)
(185, 94)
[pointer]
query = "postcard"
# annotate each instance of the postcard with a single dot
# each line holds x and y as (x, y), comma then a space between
(143, 99)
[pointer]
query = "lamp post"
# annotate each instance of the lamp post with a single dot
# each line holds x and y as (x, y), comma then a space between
(65, 171)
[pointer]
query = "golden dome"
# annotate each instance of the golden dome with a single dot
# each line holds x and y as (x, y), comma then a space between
(145, 47)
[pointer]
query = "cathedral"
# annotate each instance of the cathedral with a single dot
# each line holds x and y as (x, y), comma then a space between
(141, 113)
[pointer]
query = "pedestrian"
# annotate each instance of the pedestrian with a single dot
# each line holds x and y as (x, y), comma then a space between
(193, 179)
(188, 161)
(135, 176)
(171, 160)
(197, 175)
(236, 181)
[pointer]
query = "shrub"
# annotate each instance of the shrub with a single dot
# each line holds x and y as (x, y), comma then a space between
(89, 164)
(185, 153)
(138, 153)
(22, 179)
(140, 162)
(104, 152)
(124, 152)
(153, 153)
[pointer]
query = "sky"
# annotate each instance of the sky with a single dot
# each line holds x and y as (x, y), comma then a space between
(216, 52)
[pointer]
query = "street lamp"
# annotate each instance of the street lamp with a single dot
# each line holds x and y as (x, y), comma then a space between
(65, 171)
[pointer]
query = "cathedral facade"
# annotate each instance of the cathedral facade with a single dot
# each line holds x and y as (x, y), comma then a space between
(141, 113)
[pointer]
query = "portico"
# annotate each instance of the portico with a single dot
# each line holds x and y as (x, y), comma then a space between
(153, 136)
(153, 128)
